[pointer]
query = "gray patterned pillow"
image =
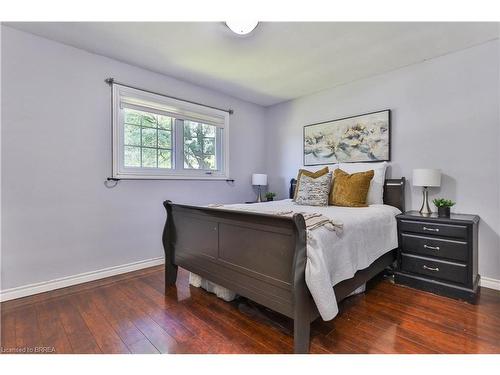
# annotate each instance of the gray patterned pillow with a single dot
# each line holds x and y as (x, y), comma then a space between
(313, 191)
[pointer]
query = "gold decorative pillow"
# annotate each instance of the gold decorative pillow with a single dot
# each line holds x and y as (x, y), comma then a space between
(304, 172)
(350, 190)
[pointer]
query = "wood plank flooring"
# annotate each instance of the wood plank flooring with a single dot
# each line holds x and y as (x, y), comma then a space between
(133, 313)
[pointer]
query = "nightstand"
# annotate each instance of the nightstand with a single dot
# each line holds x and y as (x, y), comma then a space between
(438, 254)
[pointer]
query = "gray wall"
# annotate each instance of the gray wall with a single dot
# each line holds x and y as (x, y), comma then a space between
(58, 219)
(445, 114)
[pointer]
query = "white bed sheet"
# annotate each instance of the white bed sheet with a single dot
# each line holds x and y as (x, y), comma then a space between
(368, 233)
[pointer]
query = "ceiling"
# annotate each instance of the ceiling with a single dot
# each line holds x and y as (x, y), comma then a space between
(279, 61)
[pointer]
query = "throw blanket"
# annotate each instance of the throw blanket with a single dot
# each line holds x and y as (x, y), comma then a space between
(312, 220)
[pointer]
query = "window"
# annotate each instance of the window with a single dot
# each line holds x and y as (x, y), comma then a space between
(147, 140)
(158, 137)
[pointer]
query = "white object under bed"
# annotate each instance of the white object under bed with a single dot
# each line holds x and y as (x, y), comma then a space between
(367, 234)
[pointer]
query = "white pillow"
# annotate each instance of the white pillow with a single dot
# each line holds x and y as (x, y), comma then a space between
(376, 189)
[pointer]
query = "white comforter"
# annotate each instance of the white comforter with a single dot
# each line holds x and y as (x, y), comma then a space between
(368, 233)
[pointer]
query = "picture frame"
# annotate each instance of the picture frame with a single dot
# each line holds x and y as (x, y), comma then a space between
(360, 138)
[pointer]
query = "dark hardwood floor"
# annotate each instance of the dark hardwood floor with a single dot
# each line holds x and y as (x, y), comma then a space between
(131, 313)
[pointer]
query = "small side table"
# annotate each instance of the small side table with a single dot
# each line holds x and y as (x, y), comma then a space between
(438, 254)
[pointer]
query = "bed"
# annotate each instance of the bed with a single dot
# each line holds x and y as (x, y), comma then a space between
(262, 256)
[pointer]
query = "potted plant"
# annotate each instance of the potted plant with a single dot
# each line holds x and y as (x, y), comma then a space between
(443, 206)
(270, 196)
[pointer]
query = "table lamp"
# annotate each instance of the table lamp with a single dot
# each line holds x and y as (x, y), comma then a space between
(426, 178)
(259, 180)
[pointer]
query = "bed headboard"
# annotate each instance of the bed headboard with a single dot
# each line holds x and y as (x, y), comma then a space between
(394, 192)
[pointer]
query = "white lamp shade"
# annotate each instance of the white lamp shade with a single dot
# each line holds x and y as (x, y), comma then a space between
(259, 179)
(426, 177)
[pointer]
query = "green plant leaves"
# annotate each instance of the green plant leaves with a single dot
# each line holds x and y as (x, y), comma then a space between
(442, 202)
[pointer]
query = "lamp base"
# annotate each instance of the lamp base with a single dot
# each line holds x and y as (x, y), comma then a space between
(425, 209)
(259, 198)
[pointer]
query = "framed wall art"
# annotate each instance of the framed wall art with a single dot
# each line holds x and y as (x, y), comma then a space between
(362, 138)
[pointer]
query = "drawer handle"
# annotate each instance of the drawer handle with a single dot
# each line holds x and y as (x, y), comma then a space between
(431, 247)
(431, 229)
(430, 268)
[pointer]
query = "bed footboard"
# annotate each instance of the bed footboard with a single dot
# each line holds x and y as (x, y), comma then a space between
(259, 256)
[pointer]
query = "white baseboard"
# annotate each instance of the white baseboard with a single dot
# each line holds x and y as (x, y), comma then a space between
(488, 282)
(45, 286)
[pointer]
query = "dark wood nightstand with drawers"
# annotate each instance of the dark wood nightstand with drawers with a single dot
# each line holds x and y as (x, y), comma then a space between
(438, 254)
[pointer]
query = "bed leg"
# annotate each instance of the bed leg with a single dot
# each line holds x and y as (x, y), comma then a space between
(301, 328)
(168, 247)
(301, 297)
(170, 274)
(301, 335)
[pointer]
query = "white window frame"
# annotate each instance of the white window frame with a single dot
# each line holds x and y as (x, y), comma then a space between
(179, 110)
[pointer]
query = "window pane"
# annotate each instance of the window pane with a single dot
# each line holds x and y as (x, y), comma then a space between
(149, 157)
(209, 146)
(149, 119)
(132, 157)
(132, 135)
(164, 159)
(164, 139)
(199, 146)
(149, 137)
(193, 146)
(209, 130)
(191, 129)
(209, 162)
(193, 157)
(132, 116)
(165, 122)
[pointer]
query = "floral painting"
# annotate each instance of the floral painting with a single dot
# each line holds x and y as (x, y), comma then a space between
(354, 139)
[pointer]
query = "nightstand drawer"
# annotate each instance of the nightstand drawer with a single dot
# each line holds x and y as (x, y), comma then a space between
(437, 269)
(434, 246)
(447, 230)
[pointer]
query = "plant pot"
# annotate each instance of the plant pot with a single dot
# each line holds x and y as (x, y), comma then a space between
(270, 199)
(444, 211)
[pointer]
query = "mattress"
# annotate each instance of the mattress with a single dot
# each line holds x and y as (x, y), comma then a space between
(368, 233)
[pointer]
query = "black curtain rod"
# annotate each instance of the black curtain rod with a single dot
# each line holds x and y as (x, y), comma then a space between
(111, 81)
(117, 180)
(163, 179)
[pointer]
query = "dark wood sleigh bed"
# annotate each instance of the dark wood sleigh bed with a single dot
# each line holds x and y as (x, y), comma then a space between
(259, 256)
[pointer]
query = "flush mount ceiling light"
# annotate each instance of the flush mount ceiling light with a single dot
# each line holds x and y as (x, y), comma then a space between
(242, 27)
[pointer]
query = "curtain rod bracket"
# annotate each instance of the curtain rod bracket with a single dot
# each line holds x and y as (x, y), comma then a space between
(111, 179)
(109, 81)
